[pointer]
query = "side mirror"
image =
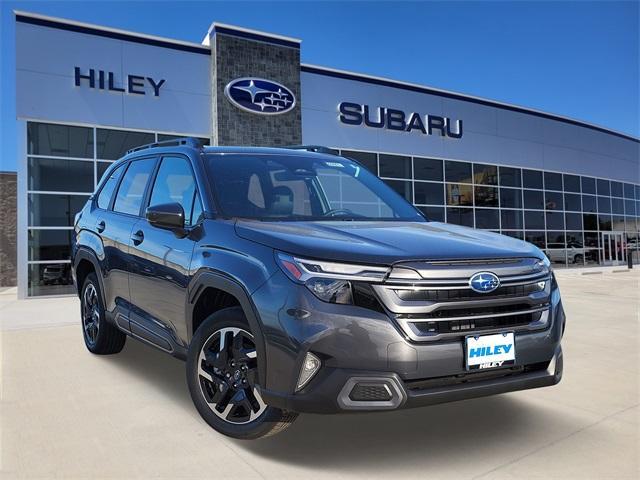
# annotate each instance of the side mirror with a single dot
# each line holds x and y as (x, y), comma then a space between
(169, 216)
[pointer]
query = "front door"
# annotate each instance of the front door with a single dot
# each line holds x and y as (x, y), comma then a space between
(160, 260)
(613, 248)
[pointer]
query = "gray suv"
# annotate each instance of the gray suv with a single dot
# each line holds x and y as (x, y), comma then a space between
(294, 280)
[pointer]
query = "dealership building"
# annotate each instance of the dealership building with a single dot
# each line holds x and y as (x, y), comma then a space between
(85, 94)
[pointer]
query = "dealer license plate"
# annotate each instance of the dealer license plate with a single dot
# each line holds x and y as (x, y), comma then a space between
(490, 351)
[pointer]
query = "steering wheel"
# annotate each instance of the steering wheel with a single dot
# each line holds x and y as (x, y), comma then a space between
(339, 211)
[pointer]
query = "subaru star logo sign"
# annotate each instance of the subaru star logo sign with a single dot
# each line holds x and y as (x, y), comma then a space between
(257, 95)
(484, 282)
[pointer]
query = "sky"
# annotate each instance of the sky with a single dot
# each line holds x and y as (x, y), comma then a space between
(578, 59)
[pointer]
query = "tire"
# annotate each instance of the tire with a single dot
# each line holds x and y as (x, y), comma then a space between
(578, 258)
(100, 336)
(222, 375)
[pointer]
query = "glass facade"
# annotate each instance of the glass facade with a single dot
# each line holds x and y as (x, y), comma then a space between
(575, 220)
(64, 165)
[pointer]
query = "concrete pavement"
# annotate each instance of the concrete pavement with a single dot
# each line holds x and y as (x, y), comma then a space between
(69, 414)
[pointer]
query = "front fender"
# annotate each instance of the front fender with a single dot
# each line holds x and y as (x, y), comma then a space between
(207, 278)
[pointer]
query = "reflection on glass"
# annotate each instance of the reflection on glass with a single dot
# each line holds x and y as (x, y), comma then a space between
(429, 193)
(59, 140)
(54, 175)
(457, 172)
(113, 144)
(394, 166)
(50, 279)
(368, 159)
(403, 188)
(458, 194)
(485, 174)
(510, 177)
(49, 244)
(434, 214)
(53, 210)
(571, 183)
(486, 196)
(537, 238)
(591, 248)
(487, 218)
(427, 169)
(511, 219)
(533, 199)
(510, 198)
(460, 216)
(532, 179)
(552, 181)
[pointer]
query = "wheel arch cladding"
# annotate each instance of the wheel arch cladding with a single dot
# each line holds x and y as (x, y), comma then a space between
(206, 282)
(84, 263)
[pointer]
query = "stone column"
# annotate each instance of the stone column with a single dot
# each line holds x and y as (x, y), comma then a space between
(238, 53)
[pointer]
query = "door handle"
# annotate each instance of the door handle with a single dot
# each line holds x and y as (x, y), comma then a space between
(137, 237)
(100, 226)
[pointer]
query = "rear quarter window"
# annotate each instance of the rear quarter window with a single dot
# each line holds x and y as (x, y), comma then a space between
(109, 185)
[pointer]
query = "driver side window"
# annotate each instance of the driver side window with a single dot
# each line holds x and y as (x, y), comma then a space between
(175, 184)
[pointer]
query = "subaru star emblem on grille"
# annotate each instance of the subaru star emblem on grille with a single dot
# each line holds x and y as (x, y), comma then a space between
(484, 282)
(257, 95)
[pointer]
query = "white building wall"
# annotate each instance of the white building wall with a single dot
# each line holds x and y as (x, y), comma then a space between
(491, 134)
(45, 82)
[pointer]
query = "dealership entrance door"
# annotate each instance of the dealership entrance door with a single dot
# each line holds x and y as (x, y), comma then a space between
(614, 248)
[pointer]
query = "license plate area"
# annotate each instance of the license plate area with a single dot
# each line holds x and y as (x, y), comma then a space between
(490, 351)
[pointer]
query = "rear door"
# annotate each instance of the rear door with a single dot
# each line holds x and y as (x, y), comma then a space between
(115, 223)
(160, 260)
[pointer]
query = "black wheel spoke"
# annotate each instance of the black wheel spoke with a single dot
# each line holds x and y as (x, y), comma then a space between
(240, 351)
(227, 374)
(216, 359)
(90, 313)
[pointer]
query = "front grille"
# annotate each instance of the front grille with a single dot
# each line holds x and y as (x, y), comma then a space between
(446, 295)
(475, 325)
(432, 300)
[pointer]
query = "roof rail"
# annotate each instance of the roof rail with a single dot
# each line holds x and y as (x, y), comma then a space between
(313, 148)
(188, 141)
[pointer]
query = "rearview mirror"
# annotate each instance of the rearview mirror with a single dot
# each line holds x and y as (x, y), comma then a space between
(169, 216)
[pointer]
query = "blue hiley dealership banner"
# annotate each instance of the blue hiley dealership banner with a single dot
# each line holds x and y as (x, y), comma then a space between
(69, 76)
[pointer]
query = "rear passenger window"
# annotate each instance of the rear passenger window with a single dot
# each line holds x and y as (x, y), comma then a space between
(175, 184)
(131, 192)
(104, 197)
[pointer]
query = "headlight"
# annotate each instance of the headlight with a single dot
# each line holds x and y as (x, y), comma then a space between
(332, 291)
(329, 281)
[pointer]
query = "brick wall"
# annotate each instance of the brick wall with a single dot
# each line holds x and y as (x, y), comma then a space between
(8, 241)
(235, 57)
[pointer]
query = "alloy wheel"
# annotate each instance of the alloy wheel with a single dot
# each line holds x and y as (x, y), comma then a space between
(227, 370)
(90, 314)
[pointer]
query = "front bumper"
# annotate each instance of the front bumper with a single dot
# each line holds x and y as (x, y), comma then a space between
(358, 345)
(332, 391)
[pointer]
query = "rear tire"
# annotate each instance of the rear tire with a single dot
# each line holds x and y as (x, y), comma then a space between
(222, 367)
(100, 336)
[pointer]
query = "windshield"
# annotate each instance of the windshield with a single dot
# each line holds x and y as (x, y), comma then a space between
(292, 187)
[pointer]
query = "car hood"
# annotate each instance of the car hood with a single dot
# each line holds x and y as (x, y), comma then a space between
(383, 242)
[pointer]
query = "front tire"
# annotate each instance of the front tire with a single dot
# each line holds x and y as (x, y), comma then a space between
(222, 368)
(100, 336)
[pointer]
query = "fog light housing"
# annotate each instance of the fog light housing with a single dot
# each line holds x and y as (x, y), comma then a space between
(310, 367)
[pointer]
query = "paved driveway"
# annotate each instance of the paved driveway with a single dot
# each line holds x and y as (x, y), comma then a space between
(68, 414)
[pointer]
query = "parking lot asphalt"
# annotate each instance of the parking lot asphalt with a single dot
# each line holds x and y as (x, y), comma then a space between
(68, 414)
